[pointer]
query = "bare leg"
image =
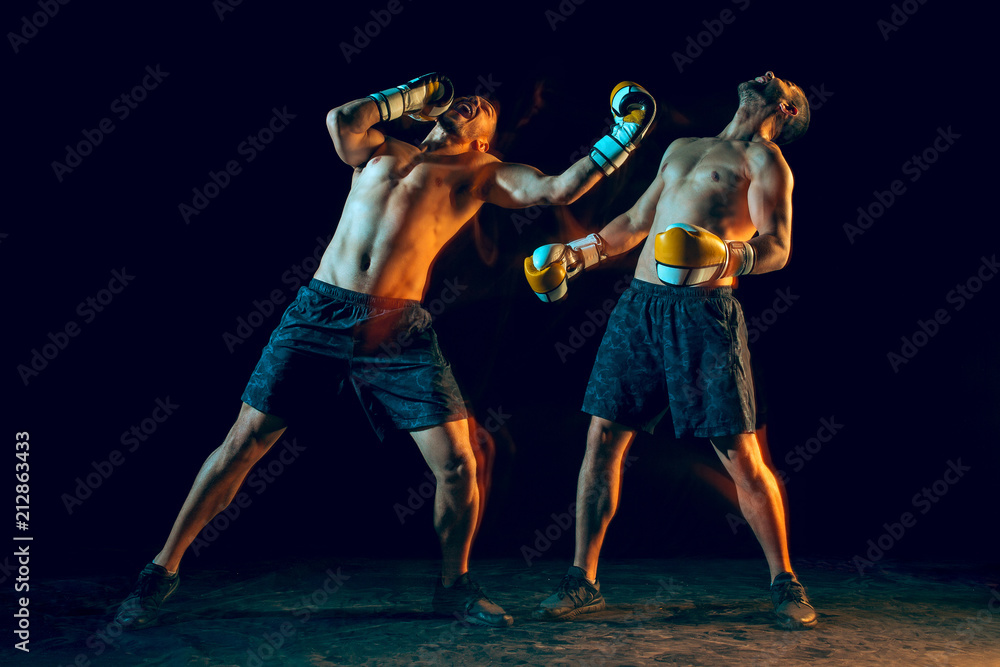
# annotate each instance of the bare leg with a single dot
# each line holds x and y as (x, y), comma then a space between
(219, 478)
(484, 450)
(448, 452)
(759, 496)
(765, 453)
(599, 489)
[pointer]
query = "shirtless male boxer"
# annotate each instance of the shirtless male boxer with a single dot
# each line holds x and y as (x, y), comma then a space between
(406, 202)
(676, 343)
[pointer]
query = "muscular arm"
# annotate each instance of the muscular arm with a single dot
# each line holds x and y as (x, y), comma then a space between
(511, 185)
(770, 201)
(629, 229)
(351, 129)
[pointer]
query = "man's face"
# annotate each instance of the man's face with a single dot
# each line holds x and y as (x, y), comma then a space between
(766, 90)
(470, 117)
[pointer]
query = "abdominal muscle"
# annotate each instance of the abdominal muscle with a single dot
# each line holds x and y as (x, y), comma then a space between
(389, 233)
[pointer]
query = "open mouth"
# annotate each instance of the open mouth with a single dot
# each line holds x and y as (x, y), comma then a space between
(465, 110)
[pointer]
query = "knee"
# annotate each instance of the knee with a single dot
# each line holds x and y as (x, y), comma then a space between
(601, 434)
(246, 441)
(606, 441)
(749, 473)
(457, 469)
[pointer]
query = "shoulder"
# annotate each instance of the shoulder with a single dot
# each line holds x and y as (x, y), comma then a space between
(765, 158)
(764, 153)
(393, 146)
(478, 159)
(482, 165)
(680, 143)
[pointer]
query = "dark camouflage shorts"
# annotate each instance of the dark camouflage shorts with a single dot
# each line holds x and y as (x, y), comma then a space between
(677, 351)
(385, 347)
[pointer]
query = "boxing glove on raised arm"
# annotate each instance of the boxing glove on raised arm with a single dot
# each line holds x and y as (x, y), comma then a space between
(550, 266)
(634, 110)
(690, 255)
(424, 98)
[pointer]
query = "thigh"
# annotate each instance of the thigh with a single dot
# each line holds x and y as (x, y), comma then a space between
(411, 387)
(627, 383)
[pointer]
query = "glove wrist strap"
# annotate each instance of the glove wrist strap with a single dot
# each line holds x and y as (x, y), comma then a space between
(591, 251)
(392, 102)
(743, 256)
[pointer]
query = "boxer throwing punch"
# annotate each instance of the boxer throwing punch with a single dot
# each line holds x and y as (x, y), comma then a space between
(676, 345)
(406, 202)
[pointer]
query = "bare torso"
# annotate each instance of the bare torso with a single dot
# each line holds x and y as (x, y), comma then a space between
(403, 207)
(705, 183)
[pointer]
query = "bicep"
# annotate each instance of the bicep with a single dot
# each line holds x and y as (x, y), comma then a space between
(350, 127)
(511, 185)
(770, 197)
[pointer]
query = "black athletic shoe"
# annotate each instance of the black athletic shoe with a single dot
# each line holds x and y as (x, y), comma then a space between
(467, 600)
(791, 604)
(574, 596)
(142, 606)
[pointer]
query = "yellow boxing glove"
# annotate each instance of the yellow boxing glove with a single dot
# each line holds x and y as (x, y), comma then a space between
(689, 255)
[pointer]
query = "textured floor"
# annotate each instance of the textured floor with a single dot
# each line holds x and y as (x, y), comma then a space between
(675, 612)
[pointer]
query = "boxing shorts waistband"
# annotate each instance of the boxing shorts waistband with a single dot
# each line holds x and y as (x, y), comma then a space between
(360, 298)
(680, 292)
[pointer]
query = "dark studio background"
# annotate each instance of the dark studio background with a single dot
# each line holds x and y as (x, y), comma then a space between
(825, 358)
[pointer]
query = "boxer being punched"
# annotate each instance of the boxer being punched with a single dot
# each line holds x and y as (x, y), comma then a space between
(675, 348)
(406, 202)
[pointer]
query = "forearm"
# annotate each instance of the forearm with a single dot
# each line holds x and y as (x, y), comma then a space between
(622, 234)
(353, 118)
(771, 253)
(573, 183)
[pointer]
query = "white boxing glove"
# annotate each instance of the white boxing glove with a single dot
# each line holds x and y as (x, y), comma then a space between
(424, 98)
(634, 110)
(550, 266)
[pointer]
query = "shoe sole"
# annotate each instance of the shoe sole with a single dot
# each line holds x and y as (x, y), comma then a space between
(546, 615)
(506, 622)
(791, 624)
